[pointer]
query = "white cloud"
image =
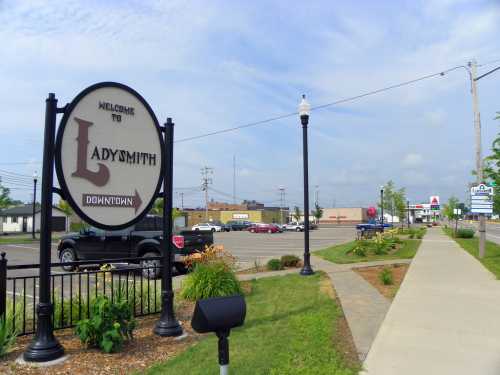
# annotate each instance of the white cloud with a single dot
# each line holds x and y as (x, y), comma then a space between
(412, 160)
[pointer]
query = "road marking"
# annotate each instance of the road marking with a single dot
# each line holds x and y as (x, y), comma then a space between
(23, 247)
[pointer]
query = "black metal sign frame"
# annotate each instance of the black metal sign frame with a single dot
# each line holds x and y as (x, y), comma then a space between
(45, 347)
(58, 157)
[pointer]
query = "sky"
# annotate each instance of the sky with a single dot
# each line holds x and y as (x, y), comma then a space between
(221, 64)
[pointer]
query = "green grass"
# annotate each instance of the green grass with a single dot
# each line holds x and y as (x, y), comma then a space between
(289, 329)
(491, 258)
(342, 253)
(15, 239)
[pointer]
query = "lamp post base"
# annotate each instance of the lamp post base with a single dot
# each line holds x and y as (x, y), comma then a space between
(169, 328)
(306, 271)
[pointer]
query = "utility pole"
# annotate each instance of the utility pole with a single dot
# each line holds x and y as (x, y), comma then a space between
(182, 201)
(205, 181)
(479, 161)
(316, 195)
(282, 202)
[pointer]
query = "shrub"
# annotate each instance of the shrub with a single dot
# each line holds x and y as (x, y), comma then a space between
(465, 233)
(214, 279)
(274, 265)
(397, 240)
(8, 333)
(111, 323)
(385, 276)
(381, 248)
(289, 261)
(359, 251)
(420, 235)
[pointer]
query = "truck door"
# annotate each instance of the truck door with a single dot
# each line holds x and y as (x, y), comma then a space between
(117, 244)
(90, 245)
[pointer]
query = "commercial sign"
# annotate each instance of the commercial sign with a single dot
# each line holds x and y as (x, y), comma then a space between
(240, 216)
(481, 199)
(434, 201)
(109, 155)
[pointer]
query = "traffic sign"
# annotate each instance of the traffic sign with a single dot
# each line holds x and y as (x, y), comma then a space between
(109, 155)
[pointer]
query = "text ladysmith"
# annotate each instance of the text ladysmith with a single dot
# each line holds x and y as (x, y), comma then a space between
(123, 156)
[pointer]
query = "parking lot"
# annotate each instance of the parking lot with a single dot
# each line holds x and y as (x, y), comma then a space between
(247, 247)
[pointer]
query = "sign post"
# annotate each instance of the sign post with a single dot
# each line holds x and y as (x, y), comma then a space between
(45, 346)
(167, 325)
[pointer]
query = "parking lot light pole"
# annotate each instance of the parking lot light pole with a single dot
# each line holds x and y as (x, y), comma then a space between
(408, 212)
(304, 109)
(35, 179)
(382, 207)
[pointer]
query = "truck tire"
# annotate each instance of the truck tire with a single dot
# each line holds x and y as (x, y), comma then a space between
(269, 231)
(155, 271)
(67, 255)
(298, 229)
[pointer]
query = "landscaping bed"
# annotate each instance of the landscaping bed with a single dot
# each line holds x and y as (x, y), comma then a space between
(346, 253)
(372, 275)
(138, 354)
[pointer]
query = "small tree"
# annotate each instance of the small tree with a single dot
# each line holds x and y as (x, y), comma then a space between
(449, 210)
(296, 213)
(157, 209)
(65, 207)
(317, 212)
(5, 200)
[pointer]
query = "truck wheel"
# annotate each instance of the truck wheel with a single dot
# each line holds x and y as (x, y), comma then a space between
(298, 229)
(67, 255)
(269, 231)
(151, 269)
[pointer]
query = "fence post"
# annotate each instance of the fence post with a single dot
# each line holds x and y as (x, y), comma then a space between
(3, 284)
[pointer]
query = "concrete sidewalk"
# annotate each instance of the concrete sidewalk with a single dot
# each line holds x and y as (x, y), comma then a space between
(445, 318)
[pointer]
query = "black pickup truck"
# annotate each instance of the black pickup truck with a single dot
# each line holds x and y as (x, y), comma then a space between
(142, 240)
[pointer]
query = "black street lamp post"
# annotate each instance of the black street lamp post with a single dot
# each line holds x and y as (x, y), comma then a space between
(35, 179)
(382, 207)
(304, 109)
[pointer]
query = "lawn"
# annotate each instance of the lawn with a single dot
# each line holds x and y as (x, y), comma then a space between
(15, 238)
(491, 258)
(289, 329)
(343, 253)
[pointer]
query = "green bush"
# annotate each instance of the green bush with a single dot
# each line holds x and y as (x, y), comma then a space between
(385, 276)
(420, 235)
(359, 251)
(274, 265)
(381, 248)
(465, 233)
(289, 260)
(210, 280)
(8, 333)
(111, 323)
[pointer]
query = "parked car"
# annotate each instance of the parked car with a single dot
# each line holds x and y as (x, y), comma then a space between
(208, 227)
(298, 227)
(263, 228)
(238, 225)
(142, 240)
(224, 227)
(279, 227)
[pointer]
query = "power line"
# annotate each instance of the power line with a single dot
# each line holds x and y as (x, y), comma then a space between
(345, 100)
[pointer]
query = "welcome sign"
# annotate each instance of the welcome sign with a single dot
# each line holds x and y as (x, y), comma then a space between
(109, 155)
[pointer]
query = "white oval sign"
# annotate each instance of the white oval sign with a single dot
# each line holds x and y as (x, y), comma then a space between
(109, 155)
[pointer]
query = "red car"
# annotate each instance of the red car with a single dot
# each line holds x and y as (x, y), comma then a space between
(263, 228)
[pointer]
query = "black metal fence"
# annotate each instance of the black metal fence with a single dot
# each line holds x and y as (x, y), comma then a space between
(73, 293)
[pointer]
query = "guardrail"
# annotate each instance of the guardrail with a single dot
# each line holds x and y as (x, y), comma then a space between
(73, 292)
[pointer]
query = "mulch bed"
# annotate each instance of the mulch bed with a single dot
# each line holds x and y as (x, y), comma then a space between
(137, 355)
(371, 274)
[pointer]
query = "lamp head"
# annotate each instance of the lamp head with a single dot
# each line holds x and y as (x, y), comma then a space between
(304, 107)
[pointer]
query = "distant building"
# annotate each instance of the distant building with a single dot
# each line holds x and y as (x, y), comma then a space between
(20, 220)
(344, 215)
